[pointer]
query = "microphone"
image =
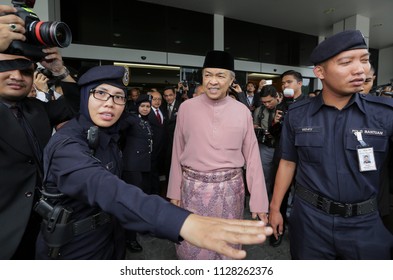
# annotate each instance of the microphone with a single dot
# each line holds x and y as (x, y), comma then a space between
(289, 93)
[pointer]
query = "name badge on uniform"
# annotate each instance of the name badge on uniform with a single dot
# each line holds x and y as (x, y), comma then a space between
(365, 154)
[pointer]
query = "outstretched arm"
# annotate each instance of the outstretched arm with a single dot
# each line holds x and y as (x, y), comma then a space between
(216, 234)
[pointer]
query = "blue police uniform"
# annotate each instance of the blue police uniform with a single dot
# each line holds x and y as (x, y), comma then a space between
(321, 140)
(138, 147)
(97, 200)
(137, 151)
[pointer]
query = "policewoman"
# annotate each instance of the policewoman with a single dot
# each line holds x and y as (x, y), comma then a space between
(138, 146)
(85, 201)
(335, 212)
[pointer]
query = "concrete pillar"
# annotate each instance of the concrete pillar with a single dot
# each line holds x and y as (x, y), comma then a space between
(218, 32)
(357, 22)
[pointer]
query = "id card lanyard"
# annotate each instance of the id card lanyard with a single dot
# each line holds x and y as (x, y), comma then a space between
(365, 154)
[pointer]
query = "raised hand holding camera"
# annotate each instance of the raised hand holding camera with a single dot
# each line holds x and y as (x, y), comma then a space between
(278, 116)
(39, 34)
(11, 27)
(54, 63)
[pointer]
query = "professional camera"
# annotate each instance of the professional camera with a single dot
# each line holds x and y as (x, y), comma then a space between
(52, 80)
(263, 136)
(45, 72)
(39, 34)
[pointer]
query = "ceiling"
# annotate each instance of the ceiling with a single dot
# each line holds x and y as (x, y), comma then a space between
(310, 17)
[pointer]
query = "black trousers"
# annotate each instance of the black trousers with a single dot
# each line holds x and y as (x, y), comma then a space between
(26, 248)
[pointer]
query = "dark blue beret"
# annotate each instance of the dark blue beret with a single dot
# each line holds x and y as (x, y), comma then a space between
(219, 59)
(333, 45)
(117, 76)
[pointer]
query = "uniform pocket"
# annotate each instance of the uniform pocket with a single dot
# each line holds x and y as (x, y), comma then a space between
(309, 142)
(378, 142)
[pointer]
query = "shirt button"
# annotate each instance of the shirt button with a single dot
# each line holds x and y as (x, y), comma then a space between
(30, 161)
(28, 194)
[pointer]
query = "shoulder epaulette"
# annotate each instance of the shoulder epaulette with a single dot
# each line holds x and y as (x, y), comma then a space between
(377, 99)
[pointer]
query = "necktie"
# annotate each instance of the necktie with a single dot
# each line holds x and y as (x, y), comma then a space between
(169, 110)
(50, 95)
(158, 116)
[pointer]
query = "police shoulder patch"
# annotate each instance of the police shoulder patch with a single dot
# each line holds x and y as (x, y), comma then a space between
(126, 76)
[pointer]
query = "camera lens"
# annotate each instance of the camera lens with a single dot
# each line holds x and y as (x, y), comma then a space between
(50, 33)
(60, 34)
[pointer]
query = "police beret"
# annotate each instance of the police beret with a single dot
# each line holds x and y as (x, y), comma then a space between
(333, 45)
(117, 76)
(219, 59)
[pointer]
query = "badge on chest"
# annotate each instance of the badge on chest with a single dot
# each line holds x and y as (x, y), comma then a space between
(365, 154)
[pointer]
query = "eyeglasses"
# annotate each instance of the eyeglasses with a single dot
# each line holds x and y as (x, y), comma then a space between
(104, 96)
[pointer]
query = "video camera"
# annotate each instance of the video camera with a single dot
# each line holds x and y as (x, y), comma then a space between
(39, 34)
(41, 69)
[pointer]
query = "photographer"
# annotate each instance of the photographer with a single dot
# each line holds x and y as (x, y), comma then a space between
(44, 87)
(182, 91)
(26, 129)
(24, 135)
(263, 120)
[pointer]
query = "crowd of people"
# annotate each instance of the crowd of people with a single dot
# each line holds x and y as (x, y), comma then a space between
(87, 162)
(62, 196)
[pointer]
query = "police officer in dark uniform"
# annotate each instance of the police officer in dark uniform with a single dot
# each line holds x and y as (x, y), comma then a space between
(335, 211)
(85, 201)
(137, 151)
(138, 146)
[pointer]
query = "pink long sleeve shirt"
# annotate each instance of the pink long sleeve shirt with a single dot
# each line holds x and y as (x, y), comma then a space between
(216, 134)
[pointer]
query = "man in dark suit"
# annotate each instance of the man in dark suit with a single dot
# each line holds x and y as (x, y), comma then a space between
(250, 98)
(156, 120)
(132, 98)
(26, 126)
(169, 109)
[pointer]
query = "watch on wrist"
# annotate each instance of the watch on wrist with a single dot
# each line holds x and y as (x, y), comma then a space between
(62, 76)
